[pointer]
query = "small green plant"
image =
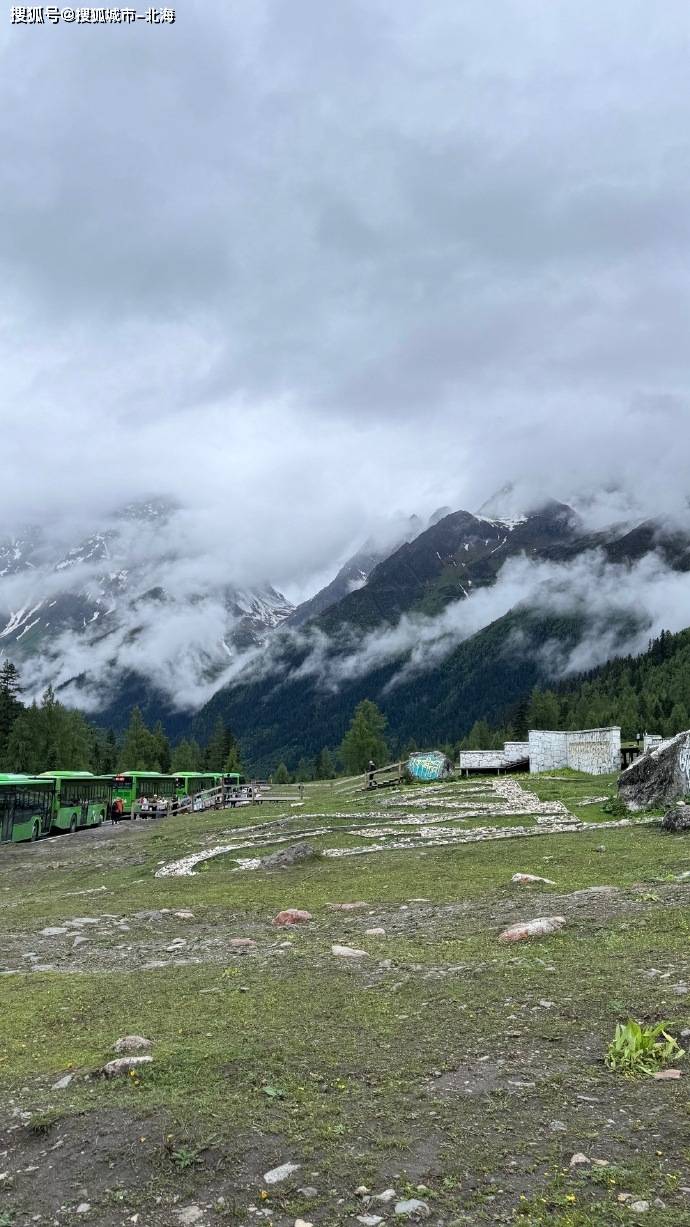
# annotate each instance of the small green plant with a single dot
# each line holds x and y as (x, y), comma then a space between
(615, 806)
(639, 1049)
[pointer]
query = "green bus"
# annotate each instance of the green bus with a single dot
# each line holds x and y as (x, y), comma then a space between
(189, 783)
(26, 807)
(81, 799)
(131, 786)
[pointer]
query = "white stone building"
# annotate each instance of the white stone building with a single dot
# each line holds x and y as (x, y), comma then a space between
(594, 751)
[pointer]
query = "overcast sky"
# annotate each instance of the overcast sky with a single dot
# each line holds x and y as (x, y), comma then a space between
(309, 264)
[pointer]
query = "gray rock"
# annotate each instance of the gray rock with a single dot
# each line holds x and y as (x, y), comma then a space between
(412, 1208)
(278, 1174)
(348, 952)
(53, 931)
(124, 1065)
(639, 1207)
(677, 818)
(132, 1043)
(309, 1191)
(659, 777)
(187, 1216)
(62, 1083)
(285, 858)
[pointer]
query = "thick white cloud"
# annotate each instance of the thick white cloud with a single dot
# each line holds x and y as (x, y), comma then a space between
(305, 265)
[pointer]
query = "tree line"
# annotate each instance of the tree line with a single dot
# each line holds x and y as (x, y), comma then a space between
(49, 736)
(646, 693)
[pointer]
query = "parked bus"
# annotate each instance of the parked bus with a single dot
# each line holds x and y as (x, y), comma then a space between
(131, 786)
(189, 783)
(26, 807)
(81, 799)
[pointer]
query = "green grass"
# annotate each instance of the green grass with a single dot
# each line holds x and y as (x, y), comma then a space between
(441, 1060)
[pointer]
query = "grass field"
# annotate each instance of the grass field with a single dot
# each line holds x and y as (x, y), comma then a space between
(453, 1069)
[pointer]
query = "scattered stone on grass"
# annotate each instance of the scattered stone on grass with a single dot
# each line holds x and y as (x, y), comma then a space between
(361, 1190)
(184, 915)
(53, 931)
(525, 879)
(291, 916)
(83, 1207)
(667, 1075)
(187, 1216)
(132, 1043)
(278, 1174)
(677, 818)
(387, 1196)
(242, 943)
(302, 1222)
(375, 932)
(543, 926)
(370, 1220)
(639, 1207)
(580, 1160)
(348, 907)
(62, 1083)
(124, 1065)
(285, 858)
(348, 952)
(412, 1208)
(308, 1191)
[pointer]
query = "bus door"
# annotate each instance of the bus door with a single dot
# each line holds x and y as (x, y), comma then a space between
(6, 807)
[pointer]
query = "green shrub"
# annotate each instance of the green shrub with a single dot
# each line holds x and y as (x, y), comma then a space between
(638, 1049)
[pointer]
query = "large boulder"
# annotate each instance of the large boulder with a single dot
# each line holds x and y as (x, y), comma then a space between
(285, 858)
(677, 818)
(659, 777)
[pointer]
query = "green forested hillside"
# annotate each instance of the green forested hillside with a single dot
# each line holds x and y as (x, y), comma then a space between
(650, 693)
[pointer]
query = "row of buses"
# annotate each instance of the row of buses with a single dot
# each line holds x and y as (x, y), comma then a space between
(59, 801)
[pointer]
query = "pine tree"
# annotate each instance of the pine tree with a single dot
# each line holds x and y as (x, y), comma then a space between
(218, 746)
(365, 739)
(162, 745)
(323, 766)
(281, 775)
(139, 749)
(10, 704)
(304, 771)
(233, 762)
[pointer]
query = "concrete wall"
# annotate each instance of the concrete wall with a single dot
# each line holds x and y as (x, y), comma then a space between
(515, 751)
(595, 751)
(651, 741)
(494, 760)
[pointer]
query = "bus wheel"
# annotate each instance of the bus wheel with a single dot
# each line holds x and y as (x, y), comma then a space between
(73, 824)
(34, 833)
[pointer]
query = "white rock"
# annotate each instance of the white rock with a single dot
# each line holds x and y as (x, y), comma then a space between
(277, 1174)
(369, 1220)
(83, 1207)
(375, 932)
(361, 1190)
(123, 1065)
(184, 915)
(62, 1083)
(387, 1196)
(302, 1222)
(543, 926)
(579, 1160)
(189, 1215)
(412, 1208)
(132, 1043)
(639, 1207)
(525, 879)
(53, 931)
(348, 952)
